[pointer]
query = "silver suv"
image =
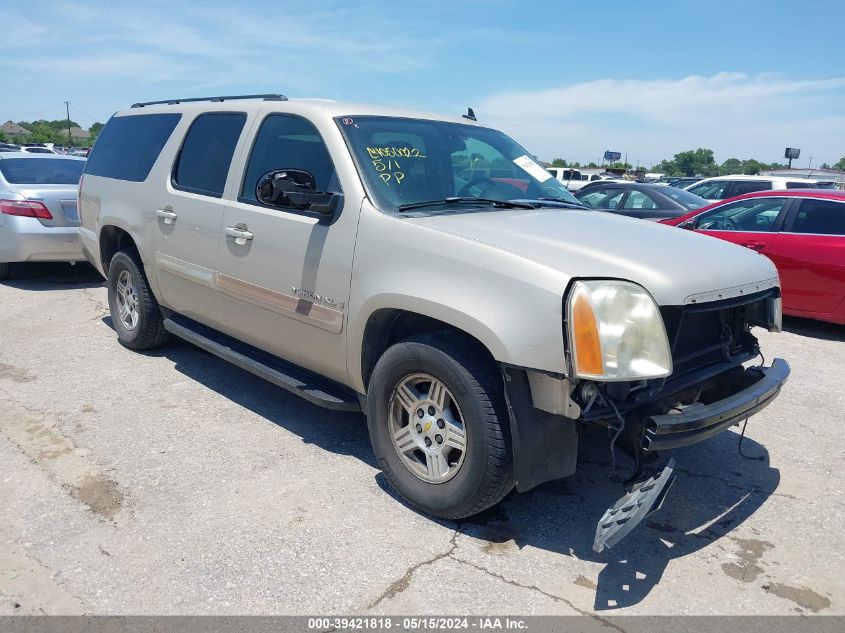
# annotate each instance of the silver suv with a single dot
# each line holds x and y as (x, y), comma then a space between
(430, 273)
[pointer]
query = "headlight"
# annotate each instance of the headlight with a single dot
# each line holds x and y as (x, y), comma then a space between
(616, 332)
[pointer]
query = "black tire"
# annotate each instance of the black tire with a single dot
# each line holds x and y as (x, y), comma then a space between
(149, 332)
(5, 270)
(486, 474)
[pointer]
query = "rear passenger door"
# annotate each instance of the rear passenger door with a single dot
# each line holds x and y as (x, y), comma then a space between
(810, 256)
(285, 273)
(638, 204)
(189, 219)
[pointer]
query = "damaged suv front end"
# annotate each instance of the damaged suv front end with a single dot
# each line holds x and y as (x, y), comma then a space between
(657, 378)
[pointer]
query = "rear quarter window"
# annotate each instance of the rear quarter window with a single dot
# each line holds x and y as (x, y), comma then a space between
(128, 146)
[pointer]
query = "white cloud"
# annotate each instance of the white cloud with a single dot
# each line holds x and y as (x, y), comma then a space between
(732, 113)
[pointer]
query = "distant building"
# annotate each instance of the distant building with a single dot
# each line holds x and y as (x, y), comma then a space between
(813, 174)
(10, 128)
(78, 134)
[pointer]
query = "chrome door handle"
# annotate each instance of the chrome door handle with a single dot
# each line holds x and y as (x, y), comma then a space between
(169, 216)
(241, 235)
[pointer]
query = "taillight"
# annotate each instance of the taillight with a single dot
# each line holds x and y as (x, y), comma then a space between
(26, 208)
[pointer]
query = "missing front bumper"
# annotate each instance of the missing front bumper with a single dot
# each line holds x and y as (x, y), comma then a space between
(697, 422)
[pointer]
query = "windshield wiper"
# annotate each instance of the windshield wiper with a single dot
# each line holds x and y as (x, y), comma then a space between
(565, 203)
(455, 200)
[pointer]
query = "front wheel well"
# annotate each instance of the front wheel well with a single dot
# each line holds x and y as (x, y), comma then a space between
(388, 326)
(112, 240)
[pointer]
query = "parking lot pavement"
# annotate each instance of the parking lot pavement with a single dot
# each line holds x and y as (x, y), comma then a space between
(172, 482)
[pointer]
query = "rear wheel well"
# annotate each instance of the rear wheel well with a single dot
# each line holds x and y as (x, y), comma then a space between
(113, 240)
(388, 326)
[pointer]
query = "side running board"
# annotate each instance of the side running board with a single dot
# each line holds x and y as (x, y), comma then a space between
(299, 381)
(626, 514)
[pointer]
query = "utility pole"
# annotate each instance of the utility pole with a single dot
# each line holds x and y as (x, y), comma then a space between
(67, 110)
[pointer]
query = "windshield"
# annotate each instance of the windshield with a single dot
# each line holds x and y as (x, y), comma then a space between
(406, 161)
(42, 171)
(689, 200)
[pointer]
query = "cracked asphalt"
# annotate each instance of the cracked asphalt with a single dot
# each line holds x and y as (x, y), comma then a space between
(174, 483)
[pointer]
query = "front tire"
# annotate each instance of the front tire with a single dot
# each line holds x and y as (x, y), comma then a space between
(135, 312)
(439, 426)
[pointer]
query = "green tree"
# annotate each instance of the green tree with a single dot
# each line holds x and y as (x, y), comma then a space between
(94, 132)
(840, 165)
(730, 166)
(592, 164)
(559, 162)
(3, 138)
(752, 167)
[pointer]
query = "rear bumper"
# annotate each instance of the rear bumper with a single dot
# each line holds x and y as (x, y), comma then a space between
(27, 240)
(699, 421)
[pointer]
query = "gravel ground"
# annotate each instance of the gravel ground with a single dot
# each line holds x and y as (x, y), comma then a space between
(174, 483)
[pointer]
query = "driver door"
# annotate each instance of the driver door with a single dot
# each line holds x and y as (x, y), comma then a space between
(284, 273)
(752, 222)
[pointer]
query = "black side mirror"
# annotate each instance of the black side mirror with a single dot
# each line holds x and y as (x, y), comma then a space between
(688, 225)
(295, 188)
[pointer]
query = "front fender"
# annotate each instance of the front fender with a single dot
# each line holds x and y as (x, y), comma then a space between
(512, 305)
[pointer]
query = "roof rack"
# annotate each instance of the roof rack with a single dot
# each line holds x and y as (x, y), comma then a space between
(267, 97)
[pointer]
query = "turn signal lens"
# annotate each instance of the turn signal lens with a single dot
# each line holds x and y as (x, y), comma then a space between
(585, 336)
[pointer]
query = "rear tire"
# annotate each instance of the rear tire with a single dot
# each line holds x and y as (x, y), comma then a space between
(406, 444)
(5, 270)
(135, 312)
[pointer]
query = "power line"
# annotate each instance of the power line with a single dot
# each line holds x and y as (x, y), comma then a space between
(90, 116)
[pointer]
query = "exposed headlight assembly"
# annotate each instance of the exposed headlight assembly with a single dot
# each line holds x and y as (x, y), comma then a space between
(616, 332)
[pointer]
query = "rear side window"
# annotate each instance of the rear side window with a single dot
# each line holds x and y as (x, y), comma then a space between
(747, 186)
(801, 185)
(128, 146)
(203, 162)
(820, 217)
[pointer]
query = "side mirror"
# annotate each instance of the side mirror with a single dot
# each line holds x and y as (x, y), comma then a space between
(689, 225)
(295, 188)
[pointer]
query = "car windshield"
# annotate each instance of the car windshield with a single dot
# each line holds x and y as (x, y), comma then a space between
(407, 161)
(42, 171)
(689, 200)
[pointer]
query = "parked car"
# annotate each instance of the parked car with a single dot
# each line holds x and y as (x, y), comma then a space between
(678, 181)
(723, 187)
(38, 209)
(639, 200)
(479, 324)
(35, 149)
(801, 231)
(573, 179)
(9, 147)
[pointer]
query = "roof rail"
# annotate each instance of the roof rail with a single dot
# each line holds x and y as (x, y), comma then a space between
(267, 97)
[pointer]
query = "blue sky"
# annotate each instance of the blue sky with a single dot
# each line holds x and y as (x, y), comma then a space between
(570, 79)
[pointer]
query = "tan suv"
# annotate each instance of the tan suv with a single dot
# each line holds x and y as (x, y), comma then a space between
(429, 272)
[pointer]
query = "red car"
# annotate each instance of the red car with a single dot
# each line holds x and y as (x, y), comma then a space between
(801, 230)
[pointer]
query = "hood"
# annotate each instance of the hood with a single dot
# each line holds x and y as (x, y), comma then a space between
(672, 264)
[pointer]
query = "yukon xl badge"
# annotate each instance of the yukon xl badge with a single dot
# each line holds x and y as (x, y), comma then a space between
(310, 295)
